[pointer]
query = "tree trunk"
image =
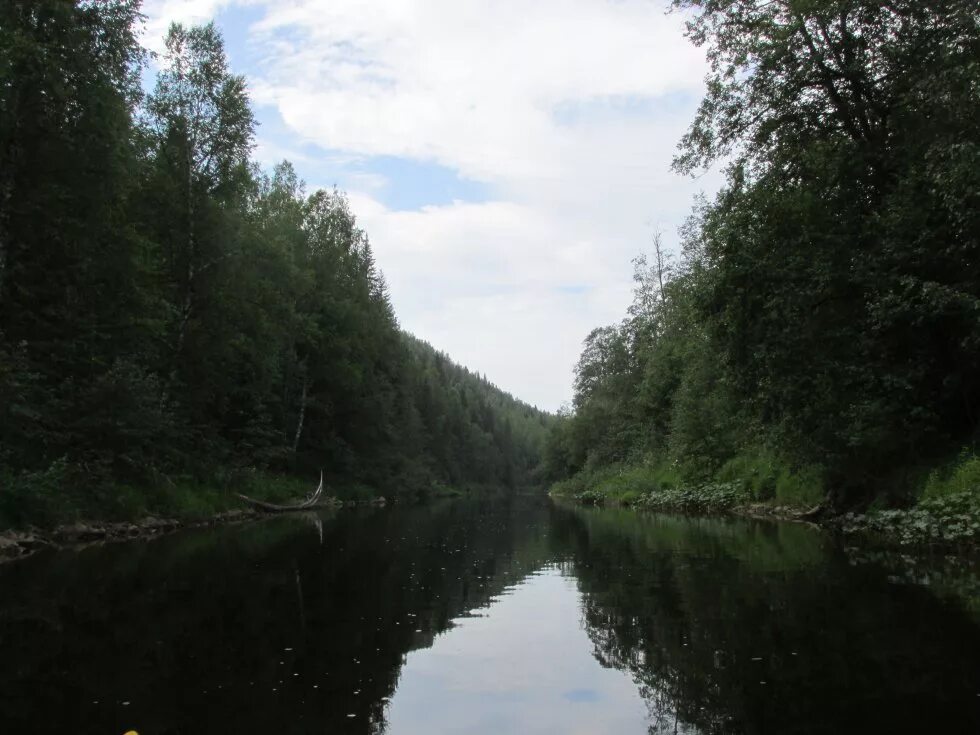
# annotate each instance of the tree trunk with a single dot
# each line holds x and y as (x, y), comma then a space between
(188, 305)
(660, 264)
(4, 202)
(3, 256)
(302, 415)
(185, 316)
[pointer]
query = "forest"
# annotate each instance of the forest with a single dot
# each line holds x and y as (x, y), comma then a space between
(817, 341)
(177, 324)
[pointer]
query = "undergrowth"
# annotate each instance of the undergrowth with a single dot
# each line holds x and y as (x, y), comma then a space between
(63, 494)
(746, 478)
(947, 513)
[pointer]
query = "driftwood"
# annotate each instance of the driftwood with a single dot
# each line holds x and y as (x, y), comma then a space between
(275, 508)
(815, 512)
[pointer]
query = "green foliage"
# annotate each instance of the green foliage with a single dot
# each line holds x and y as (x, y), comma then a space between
(758, 472)
(802, 487)
(620, 484)
(827, 305)
(837, 292)
(40, 496)
(169, 315)
(963, 476)
(711, 497)
(948, 520)
(767, 478)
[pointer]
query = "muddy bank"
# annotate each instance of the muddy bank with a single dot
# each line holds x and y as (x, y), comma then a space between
(17, 544)
(21, 543)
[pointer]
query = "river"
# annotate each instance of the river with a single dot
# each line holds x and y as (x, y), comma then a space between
(503, 616)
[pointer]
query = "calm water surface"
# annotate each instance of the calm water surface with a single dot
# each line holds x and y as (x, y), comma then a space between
(487, 617)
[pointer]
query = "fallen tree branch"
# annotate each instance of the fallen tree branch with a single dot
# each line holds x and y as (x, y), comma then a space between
(276, 508)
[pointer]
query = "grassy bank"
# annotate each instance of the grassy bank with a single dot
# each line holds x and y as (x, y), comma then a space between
(945, 510)
(65, 494)
(59, 496)
(743, 480)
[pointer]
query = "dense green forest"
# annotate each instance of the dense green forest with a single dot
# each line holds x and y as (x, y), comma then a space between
(175, 323)
(819, 336)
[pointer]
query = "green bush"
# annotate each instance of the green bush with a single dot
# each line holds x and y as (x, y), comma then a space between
(743, 479)
(275, 488)
(803, 487)
(197, 499)
(710, 497)
(766, 478)
(44, 497)
(947, 520)
(188, 501)
(118, 503)
(618, 484)
(756, 472)
(961, 476)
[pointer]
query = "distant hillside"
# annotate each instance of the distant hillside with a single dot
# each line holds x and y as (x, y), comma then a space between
(472, 433)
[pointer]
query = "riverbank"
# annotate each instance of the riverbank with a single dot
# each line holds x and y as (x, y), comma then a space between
(18, 544)
(21, 543)
(938, 507)
(949, 522)
(35, 514)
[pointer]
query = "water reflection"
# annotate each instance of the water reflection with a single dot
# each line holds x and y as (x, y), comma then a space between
(253, 629)
(526, 667)
(483, 617)
(737, 627)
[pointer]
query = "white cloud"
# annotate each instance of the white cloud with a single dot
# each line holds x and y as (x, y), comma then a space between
(568, 110)
(161, 13)
(502, 287)
(268, 153)
(471, 85)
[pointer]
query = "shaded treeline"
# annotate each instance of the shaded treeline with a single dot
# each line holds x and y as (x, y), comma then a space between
(821, 332)
(171, 315)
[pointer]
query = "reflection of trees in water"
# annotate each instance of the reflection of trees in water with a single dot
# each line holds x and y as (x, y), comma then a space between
(229, 630)
(737, 627)
(956, 578)
(659, 686)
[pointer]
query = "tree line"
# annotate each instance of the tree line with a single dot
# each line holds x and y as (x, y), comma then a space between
(172, 315)
(820, 333)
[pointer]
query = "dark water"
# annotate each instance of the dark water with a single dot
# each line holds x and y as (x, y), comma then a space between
(484, 617)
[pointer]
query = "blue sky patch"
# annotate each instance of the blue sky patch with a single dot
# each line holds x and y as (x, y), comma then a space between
(416, 184)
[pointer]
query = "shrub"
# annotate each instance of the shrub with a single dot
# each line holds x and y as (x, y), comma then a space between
(756, 472)
(620, 484)
(961, 476)
(804, 487)
(947, 520)
(44, 497)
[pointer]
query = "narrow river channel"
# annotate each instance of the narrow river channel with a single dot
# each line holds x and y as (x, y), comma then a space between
(504, 616)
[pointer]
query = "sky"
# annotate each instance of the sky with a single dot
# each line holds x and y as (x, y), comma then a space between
(507, 159)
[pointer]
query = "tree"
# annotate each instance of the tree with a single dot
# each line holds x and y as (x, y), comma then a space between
(68, 259)
(167, 310)
(843, 297)
(202, 127)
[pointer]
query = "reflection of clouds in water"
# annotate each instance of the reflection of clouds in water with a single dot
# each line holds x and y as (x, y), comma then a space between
(525, 667)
